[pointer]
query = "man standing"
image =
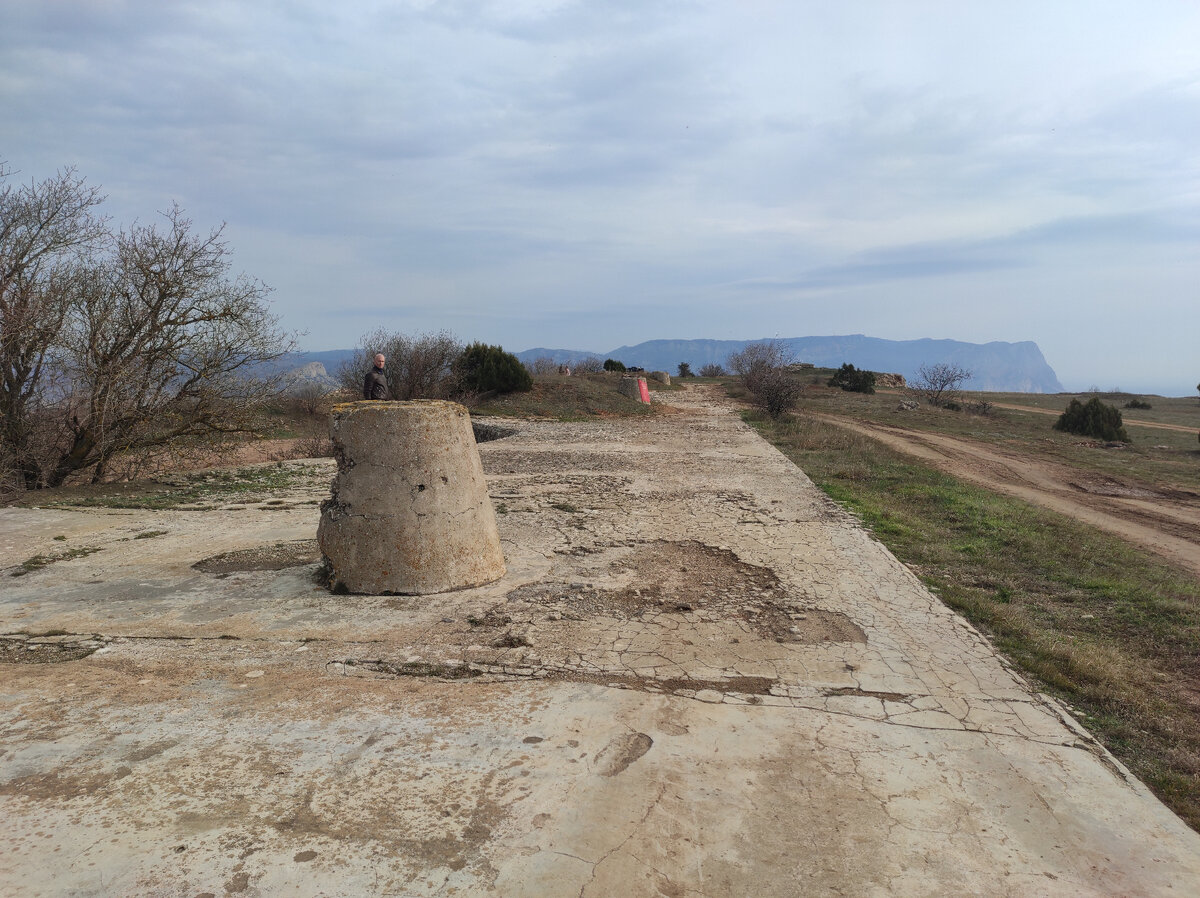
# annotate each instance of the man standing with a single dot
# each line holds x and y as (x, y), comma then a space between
(375, 386)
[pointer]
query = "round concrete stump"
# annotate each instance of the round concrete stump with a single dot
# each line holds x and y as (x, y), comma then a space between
(410, 512)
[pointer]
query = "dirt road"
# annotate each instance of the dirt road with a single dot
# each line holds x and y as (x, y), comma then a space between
(1164, 521)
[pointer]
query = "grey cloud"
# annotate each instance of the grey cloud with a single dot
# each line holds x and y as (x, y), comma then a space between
(1025, 248)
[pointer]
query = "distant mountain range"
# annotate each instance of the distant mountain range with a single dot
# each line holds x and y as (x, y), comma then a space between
(1007, 367)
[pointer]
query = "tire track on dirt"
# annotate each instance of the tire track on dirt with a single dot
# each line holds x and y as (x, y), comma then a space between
(1167, 523)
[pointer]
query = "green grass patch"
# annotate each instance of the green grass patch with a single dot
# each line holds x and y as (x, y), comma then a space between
(200, 491)
(583, 397)
(37, 562)
(1106, 628)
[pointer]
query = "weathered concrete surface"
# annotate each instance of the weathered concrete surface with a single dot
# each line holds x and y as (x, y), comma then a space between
(409, 511)
(631, 386)
(728, 689)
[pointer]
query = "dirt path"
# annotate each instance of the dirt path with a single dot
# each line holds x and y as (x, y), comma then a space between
(1165, 521)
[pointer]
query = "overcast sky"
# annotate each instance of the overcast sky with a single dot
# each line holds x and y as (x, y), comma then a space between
(590, 174)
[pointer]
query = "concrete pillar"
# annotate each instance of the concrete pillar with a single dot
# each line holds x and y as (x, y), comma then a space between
(632, 387)
(410, 511)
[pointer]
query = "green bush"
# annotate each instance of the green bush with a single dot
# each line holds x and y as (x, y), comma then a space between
(489, 369)
(1138, 403)
(853, 380)
(685, 370)
(613, 365)
(778, 392)
(1092, 419)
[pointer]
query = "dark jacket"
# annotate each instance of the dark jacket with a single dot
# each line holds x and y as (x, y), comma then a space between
(375, 386)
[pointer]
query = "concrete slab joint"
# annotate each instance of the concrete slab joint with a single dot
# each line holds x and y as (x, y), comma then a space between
(409, 511)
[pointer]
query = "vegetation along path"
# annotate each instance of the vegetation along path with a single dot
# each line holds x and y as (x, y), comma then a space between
(1166, 521)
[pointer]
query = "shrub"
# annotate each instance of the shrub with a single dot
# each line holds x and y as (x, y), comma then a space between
(712, 370)
(590, 365)
(613, 365)
(757, 361)
(778, 392)
(543, 364)
(940, 384)
(486, 369)
(1138, 403)
(853, 380)
(311, 397)
(685, 370)
(1092, 419)
(420, 366)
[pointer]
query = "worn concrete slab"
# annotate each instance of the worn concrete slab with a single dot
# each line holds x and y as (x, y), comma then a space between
(697, 677)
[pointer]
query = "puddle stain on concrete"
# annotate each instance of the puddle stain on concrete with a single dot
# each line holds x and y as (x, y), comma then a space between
(691, 577)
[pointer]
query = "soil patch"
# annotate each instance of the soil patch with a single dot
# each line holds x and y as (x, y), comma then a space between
(690, 577)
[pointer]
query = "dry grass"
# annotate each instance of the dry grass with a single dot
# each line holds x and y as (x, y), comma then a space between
(1109, 630)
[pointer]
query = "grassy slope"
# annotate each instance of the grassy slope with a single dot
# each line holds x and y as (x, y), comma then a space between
(1111, 631)
(563, 398)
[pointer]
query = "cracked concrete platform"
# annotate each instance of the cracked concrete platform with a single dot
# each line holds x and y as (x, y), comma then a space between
(698, 677)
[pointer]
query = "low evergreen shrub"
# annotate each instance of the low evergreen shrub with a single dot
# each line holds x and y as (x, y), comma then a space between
(486, 369)
(853, 380)
(1093, 419)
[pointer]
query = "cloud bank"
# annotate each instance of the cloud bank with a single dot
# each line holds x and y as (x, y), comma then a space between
(597, 174)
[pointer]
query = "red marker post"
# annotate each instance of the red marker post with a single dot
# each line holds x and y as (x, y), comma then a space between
(644, 390)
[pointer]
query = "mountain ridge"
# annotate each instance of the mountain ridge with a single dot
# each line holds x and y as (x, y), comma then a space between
(1000, 366)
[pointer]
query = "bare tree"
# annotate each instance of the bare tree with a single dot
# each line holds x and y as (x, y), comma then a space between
(712, 370)
(543, 364)
(420, 366)
(778, 392)
(162, 347)
(757, 360)
(311, 397)
(762, 368)
(118, 345)
(589, 365)
(940, 383)
(47, 229)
